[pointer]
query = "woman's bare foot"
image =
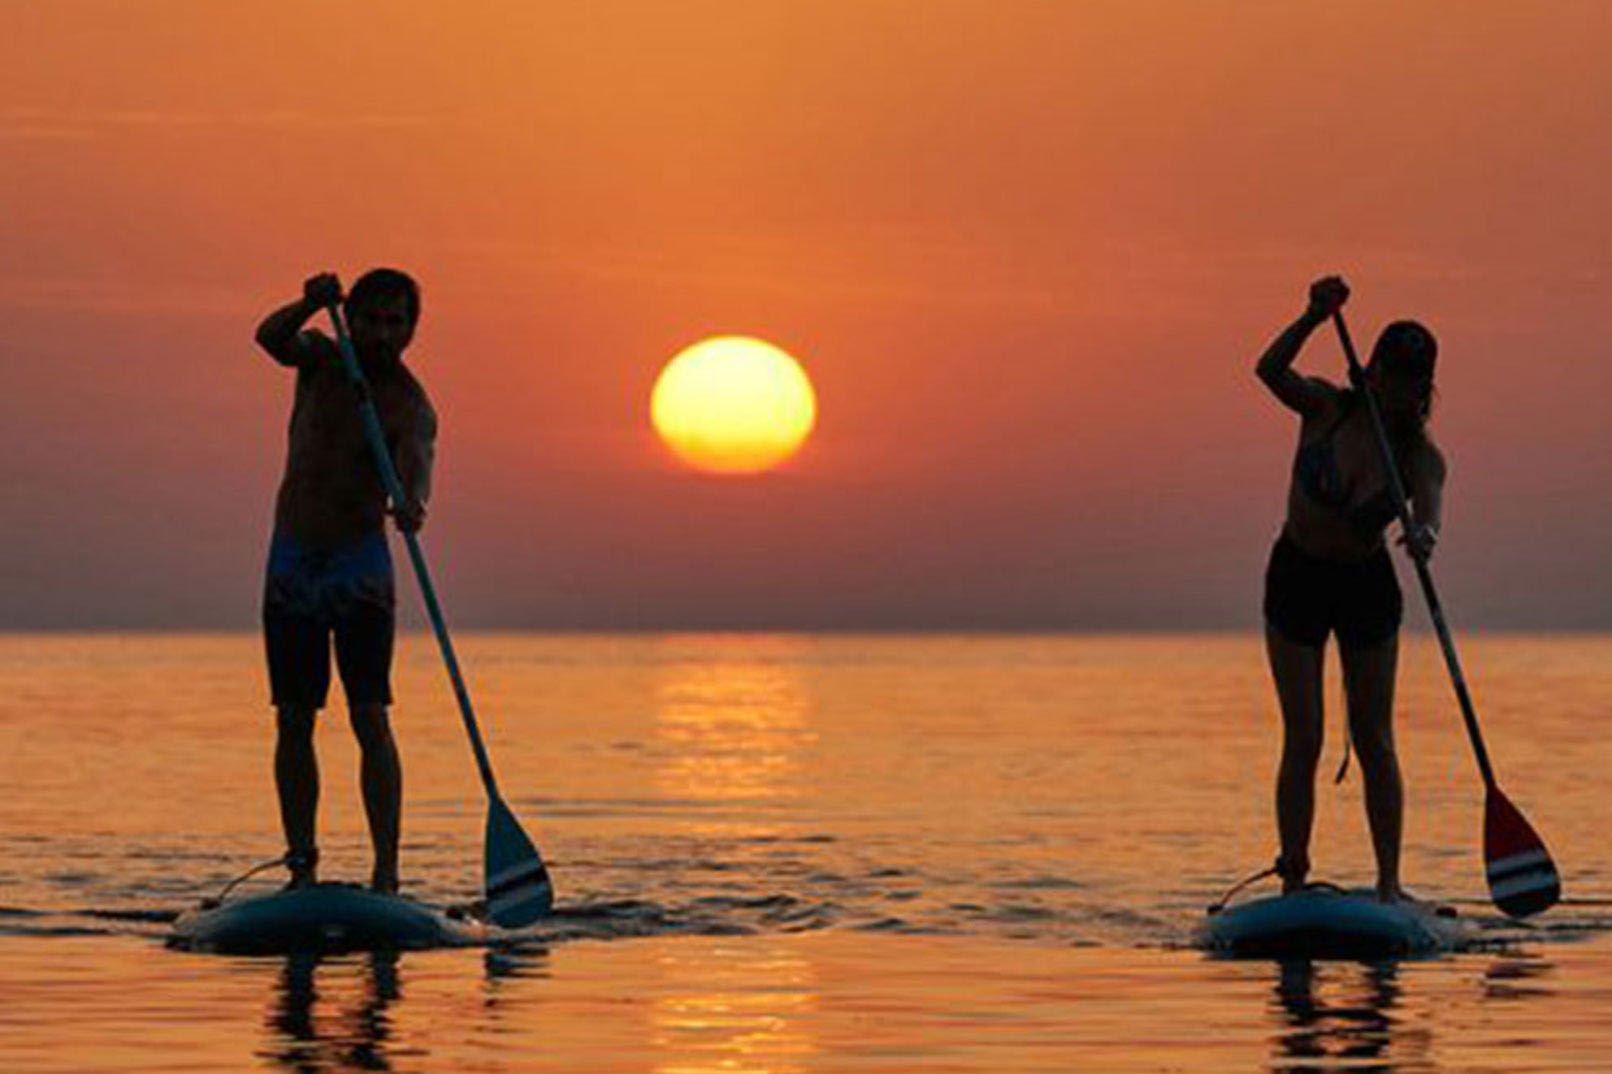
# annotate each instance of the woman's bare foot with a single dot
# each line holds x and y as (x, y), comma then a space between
(1393, 893)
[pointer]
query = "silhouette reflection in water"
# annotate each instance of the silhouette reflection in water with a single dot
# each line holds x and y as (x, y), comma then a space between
(1352, 1026)
(354, 1035)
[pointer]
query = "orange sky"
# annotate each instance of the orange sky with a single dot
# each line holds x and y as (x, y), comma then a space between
(1027, 251)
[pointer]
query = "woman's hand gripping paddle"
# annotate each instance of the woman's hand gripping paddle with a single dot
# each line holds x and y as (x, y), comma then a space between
(517, 887)
(1522, 878)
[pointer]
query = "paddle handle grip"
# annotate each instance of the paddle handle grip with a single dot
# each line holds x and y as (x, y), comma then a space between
(394, 490)
(1435, 610)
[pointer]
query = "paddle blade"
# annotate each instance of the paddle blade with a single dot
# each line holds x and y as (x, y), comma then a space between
(518, 890)
(1522, 878)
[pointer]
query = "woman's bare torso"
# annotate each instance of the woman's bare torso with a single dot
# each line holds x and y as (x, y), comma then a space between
(1334, 530)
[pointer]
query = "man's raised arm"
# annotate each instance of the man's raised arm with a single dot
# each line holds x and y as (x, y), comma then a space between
(281, 331)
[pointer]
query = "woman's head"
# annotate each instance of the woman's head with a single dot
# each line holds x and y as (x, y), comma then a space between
(1401, 369)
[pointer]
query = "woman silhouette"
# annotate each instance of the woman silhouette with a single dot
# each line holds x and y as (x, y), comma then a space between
(1329, 572)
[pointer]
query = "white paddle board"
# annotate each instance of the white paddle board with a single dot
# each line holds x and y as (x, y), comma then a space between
(1329, 922)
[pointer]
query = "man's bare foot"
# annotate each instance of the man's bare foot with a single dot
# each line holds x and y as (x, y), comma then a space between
(475, 910)
(304, 866)
(1293, 874)
(383, 884)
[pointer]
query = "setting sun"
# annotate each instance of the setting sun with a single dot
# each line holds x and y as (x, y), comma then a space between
(733, 405)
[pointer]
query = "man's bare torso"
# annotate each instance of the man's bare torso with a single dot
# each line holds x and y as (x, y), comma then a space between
(331, 493)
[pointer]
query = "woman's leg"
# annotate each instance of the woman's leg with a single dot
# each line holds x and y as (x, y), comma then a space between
(1296, 669)
(1368, 679)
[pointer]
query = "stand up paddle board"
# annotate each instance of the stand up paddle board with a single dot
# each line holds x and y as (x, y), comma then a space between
(1328, 922)
(320, 917)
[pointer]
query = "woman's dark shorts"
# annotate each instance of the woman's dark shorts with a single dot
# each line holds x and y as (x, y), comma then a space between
(313, 594)
(1306, 598)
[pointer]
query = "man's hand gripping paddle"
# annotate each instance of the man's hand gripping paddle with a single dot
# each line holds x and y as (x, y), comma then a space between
(517, 887)
(1522, 877)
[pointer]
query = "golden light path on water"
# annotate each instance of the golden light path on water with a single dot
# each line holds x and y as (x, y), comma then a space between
(732, 730)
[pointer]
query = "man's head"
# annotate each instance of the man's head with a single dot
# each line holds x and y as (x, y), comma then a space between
(382, 309)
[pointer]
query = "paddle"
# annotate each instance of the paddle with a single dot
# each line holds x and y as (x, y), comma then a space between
(517, 886)
(1522, 878)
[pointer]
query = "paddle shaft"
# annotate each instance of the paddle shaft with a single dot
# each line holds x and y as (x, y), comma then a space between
(394, 489)
(1357, 376)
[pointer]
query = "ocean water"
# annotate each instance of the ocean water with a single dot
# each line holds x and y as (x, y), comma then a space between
(779, 853)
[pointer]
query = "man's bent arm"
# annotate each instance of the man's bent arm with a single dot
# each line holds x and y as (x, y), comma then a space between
(415, 455)
(281, 332)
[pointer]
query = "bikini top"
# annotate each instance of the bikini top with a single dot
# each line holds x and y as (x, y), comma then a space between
(1315, 468)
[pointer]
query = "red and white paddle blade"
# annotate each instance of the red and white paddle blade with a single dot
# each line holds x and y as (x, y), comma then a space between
(1522, 878)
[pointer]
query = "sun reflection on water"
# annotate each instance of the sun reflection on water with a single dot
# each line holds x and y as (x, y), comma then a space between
(732, 730)
(757, 1021)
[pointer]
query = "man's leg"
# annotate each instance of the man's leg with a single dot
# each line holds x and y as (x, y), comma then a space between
(381, 777)
(296, 640)
(296, 778)
(366, 629)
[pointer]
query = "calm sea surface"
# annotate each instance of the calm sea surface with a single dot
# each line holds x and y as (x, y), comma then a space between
(791, 853)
